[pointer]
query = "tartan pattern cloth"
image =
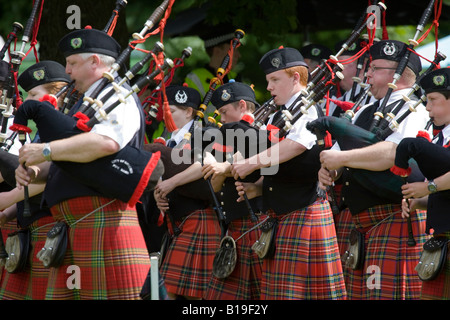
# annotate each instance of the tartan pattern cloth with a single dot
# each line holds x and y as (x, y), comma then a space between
(31, 283)
(306, 264)
(388, 270)
(187, 266)
(108, 248)
(344, 224)
(244, 282)
(439, 288)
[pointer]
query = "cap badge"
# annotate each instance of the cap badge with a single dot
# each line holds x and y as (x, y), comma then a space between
(181, 97)
(315, 52)
(439, 80)
(39, 74)
(76, 43)
(275, 62)
(389, 49)
(225, 95)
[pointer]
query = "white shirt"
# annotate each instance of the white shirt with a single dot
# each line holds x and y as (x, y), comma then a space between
(413, 123)
(445, 133)
(298, 132)
(123, 121)
(179, 134)
(346, 97)
(409, 127)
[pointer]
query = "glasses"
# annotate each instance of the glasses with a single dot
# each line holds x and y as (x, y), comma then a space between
(373, 69)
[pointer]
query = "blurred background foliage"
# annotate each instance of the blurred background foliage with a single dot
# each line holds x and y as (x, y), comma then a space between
(267, 24)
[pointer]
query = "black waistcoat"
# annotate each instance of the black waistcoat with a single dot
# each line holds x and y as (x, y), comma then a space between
(228, 195)
(294, 186)
(60, 186)
(438, 212)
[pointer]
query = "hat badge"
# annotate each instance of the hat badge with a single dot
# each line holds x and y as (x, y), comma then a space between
(439, 80)
(39, 74)
(76, 43)
(389, 49)
(275, 62)
(225, 95)
(181, 97)
(315, 52)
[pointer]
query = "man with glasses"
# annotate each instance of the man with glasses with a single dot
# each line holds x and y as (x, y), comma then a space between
(387, 269)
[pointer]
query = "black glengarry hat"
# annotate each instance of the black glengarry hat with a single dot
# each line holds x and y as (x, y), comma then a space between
(282, 58)
(231, 92)
(89, 40)
(436, 81)
(315, 51)
(183, 96)
(394, 50)
(41, 73)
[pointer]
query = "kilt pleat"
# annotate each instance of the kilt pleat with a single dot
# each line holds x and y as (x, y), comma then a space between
(439, 288)
(244, 283)
(187, 266)
(306, 264)
(388, 271)
(31, 283)
(344, 224)
(106, 250)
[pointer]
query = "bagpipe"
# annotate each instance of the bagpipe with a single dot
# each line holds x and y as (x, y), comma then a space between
(11, 96)
(224, 68)
(152, 105)
(325, 76)
(193, 152)
(432, 159)
(382, 110)
(125, 175)
(350, 136)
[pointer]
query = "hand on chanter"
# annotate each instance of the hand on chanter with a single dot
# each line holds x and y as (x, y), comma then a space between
(251, 189)
(326, 178)
(25, 175)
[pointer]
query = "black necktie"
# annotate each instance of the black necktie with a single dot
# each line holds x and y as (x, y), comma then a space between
(277, 114)
(171, 143)
(76, 106)
(440, 140)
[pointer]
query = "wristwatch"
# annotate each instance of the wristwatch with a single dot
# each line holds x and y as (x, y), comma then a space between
(432, 187)
(47, 152)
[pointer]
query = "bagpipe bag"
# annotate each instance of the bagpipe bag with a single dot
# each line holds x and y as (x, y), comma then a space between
(124, 175)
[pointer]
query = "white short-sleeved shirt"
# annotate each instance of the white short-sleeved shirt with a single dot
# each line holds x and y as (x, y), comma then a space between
(298, 132)
(179, 135)
(413, 123)
(445, 133)
(409, 127)
(123, 121)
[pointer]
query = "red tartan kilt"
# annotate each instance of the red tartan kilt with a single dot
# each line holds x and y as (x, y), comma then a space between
(244, 283)
(31, 283)
(108, 248)
(343, 222)
(439, 288)
(306, 264)
(388, 271)
(187, 266)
